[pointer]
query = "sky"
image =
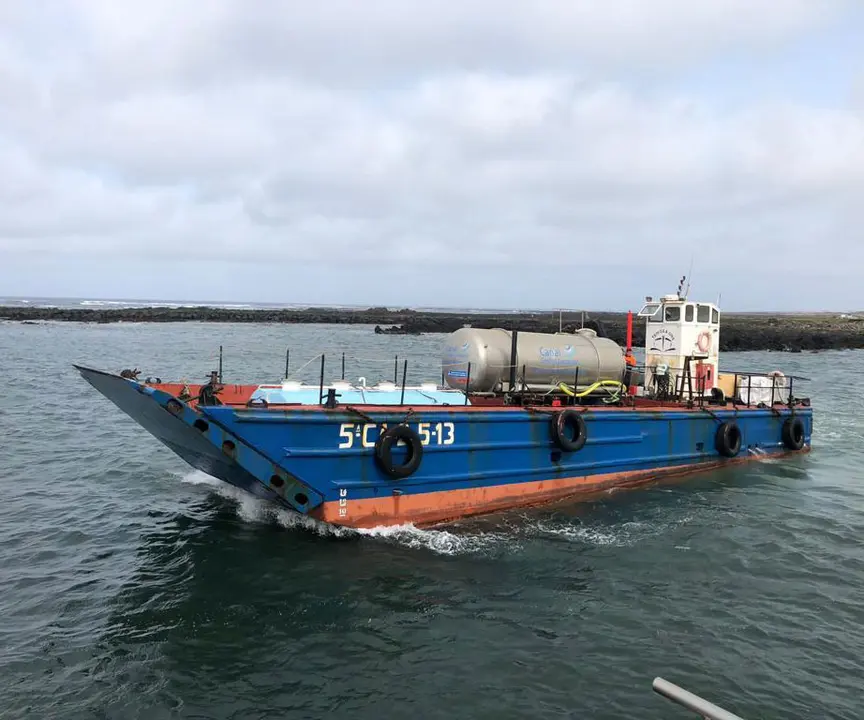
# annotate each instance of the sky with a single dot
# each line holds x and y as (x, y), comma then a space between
(542, 153)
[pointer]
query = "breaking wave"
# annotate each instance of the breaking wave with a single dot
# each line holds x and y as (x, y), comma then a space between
(507, 533)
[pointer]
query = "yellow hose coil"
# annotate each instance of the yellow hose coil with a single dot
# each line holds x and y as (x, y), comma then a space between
(565, 388)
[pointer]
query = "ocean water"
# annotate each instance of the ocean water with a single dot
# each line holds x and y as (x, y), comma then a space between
(134, 587)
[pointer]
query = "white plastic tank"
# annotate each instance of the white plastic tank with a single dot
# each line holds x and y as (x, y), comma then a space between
(548, 359)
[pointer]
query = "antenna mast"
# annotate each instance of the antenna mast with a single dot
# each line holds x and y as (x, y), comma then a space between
(689, 275)
(681, 282)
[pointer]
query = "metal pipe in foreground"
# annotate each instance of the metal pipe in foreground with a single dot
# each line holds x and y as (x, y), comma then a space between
(686, 699)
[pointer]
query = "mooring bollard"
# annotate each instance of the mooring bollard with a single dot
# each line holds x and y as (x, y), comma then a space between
(709, 711)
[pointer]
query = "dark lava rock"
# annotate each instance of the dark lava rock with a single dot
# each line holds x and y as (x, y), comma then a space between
(396, 330)
(782, 333)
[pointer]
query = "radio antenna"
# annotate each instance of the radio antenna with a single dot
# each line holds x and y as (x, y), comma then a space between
(689, 275)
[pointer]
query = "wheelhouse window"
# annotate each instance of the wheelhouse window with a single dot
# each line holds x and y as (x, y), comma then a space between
(703, 315)
(673, 313)
(650, 310)
(688, 314)
(715, 316)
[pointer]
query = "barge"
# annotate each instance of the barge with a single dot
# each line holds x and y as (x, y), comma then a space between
(517, 419)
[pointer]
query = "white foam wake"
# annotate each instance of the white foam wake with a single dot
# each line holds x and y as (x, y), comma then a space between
(507, 535)
(255, 510)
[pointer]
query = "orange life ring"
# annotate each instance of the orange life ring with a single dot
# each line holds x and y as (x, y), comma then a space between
(703, 342)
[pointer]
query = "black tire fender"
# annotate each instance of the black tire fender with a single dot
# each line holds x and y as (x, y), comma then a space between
(560, 435)
(384, 451)
(792, 433)
(728, 439)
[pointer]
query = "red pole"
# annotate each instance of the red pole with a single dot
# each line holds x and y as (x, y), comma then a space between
(629, 331)
(628, 356)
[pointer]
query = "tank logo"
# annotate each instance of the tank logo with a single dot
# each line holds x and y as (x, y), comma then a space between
(559, 357)
(663, 341)
(456, 349)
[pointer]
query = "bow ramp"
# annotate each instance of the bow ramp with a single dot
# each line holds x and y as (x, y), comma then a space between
(200, 441)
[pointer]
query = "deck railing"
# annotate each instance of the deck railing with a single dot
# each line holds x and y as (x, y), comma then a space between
(661, 383)
(749, 389)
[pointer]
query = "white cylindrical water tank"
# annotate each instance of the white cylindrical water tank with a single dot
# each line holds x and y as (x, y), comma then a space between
(548, 359)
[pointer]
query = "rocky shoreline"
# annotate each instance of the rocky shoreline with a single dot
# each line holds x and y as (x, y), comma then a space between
(758, 331)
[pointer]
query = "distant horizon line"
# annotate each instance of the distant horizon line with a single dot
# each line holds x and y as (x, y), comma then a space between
(251, 305)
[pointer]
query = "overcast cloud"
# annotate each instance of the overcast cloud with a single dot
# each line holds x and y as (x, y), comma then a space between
(567, 153)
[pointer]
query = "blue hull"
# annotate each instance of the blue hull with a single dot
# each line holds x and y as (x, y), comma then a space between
(330, 463)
